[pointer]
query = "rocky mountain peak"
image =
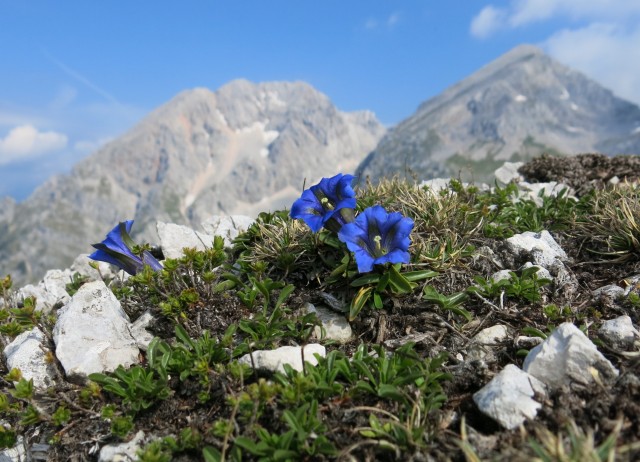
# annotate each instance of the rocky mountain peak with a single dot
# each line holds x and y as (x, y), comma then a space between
(521, 105)
(245, 148)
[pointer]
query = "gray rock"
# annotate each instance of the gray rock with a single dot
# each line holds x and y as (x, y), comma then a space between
(619, 332)
(274, 360)
(509, 398)
(611, 291)
(501, 275)
(123, 452)
(83, 266)
(525, 342)
(509, 172)
(16, 453)
(566, 358)
(483, 343)
(332, 302)
(542, 272)
(227, 227)
(540, 247)
(27, 352)
(633, 284)
(174, 238)
(92, 333)
(551, 188)
(139, 331)
(49, 292)
(334, 325)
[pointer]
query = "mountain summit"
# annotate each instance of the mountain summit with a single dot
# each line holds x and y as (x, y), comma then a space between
(520, 105)
(244, 148)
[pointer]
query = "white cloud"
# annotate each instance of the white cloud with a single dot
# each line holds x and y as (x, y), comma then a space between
(487, 21)
(519, 13)
(605, 52)
(393, 20)
(390, 22)
(25, 141)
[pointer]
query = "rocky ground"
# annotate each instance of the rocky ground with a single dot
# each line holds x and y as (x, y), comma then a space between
(458, 366)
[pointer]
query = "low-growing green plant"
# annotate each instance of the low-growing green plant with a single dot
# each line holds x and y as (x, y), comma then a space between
(14, 321)
(304, 438)
(525, 286)
(138, 387)
(77, 280)
(451, 302)
(508, 213)
(379, 285)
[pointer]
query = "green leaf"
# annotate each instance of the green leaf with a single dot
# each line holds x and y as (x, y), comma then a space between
(377, 301)
(399, 282)
(359, 301)
(413, 276)
(248, 445)
(284, 293)
(365, 280)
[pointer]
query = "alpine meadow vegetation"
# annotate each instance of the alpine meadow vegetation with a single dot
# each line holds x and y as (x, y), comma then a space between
(411, 268)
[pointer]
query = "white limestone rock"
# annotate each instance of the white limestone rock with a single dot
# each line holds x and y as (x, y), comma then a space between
(509, 398)
(540, 247)
(566, 358)
(482, 344)
(123, 452)
(551, 188)
(274, 360)
(501, 275)
(509, 172)
(227, 226)
(139, 330)
(542, 272)
(92, 333)
(16, 453)
(436, 185)
(27, 353)
(334, 325)
(619, 332)
(49, 292)
(174, 238)
(611, 292)
(83, 266)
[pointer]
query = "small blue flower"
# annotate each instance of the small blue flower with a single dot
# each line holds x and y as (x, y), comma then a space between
(117, 250)
(331, 198)
(377, 237)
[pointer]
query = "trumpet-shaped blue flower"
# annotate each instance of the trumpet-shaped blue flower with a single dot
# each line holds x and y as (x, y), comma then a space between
(377, 237)
(117, 250)
(332, 198)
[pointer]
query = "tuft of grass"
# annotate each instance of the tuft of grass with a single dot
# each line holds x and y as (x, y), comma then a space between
(613, 225)
(446, 222)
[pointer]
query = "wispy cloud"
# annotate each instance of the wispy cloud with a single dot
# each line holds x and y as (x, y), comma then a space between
(604, 51)
(601, 37)
(487, 21)
(25, 142)
(80, 78)
(519, 13)
(388, 22)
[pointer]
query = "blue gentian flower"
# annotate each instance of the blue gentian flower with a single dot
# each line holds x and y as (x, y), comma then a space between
(377, 237)
(117, 250)
(330, 203)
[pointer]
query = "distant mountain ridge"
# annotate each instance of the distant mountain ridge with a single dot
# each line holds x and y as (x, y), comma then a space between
(243, 149)
(519, 106)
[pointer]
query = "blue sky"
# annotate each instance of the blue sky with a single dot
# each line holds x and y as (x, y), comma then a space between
(75, 74)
